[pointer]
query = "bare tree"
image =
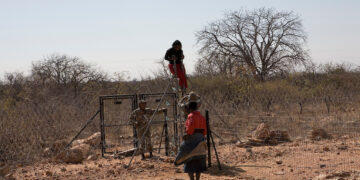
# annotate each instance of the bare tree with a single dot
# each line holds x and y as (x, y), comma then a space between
(64, 70)
(261, 42)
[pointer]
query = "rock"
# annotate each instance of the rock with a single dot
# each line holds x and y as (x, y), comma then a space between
(10, 176)
(343, 174)
(326, 149)
(92, 157)
(63, 169)
(233, 141)
(320, 177)
(94, 140)
(84, 148)
(279, 173)
(167, 160)
(249, 151)
(47, 152)
(238, 144)
(76, 154)
(111, 171)
(279, 154)
(4, 171)
(78, 142)
(322, 165)
(262, 132)
(24, 171)
(71, 156)
(319, 134)
(55, 148)
(178, 170)
(59, 145)
(342, 147)
(281, 136)
(279, 162)
(48, 173)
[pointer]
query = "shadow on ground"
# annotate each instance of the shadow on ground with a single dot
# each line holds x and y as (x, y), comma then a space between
(226, 170)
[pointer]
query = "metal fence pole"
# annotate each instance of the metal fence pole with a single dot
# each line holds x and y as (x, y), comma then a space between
(166, 136)
(208, 136)
(176, 117)
(135, 138)
(102, 127)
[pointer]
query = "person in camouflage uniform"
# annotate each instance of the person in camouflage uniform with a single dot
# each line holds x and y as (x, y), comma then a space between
(140, 118)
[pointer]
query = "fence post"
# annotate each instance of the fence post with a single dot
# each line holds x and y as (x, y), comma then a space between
(176, 117)
(166, 135)
(135, 138)
(208, 136)
(102, 128)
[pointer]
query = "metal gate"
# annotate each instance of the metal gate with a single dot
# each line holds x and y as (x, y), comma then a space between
(170, 102)
(118, 135)
(121, 106)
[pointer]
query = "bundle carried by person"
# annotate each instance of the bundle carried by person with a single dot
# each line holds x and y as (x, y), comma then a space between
(193, 147)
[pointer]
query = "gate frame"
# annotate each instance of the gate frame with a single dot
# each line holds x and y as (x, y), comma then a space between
(134, 105)
(174, 96)
(134, 101)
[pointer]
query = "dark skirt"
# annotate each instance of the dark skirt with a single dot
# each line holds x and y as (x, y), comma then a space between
(195, 166)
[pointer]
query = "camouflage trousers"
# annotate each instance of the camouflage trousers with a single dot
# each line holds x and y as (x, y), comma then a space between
(145, 145)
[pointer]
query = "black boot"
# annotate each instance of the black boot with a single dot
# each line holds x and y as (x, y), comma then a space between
(151, 155)
(142, 156)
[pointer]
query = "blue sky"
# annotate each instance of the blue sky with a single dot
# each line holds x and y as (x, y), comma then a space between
(117, 35)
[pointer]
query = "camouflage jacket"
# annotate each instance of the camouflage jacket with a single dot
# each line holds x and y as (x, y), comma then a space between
(139, 117)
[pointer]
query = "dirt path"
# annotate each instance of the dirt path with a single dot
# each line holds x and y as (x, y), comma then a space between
(334, 159)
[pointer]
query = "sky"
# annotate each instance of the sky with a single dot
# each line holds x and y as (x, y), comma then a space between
(132, 36)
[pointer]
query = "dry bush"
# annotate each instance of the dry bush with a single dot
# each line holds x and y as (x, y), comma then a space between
(35, 114)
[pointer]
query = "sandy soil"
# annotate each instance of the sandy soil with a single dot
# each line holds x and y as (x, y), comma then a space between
(301, 159)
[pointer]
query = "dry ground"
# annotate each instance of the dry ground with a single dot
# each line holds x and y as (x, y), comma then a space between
(302, 159)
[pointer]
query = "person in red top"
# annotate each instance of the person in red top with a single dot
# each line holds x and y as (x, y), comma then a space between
(195, 124)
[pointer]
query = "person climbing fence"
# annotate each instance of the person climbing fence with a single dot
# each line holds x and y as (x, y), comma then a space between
(175, 56)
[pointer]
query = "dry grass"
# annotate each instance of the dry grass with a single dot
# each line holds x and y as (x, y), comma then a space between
(35, 115)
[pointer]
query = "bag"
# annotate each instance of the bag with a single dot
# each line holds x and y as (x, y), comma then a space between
(193, 147)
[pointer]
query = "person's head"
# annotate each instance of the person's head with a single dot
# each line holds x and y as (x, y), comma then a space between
(177, 45)
(193, 96)
(193, 106)
(142, 104)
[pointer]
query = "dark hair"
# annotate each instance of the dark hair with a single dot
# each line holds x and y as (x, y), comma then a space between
(176, 42)
(193, 106)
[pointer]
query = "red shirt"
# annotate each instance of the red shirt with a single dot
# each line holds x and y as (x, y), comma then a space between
(195, 121)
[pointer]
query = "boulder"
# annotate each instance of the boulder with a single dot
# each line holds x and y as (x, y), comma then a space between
(281, 136)
(76, 154)
(94, 140)
(318, 134)
(71, 156)
(261, 132)
(92, 157)
(55, 148)
(58, 145)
